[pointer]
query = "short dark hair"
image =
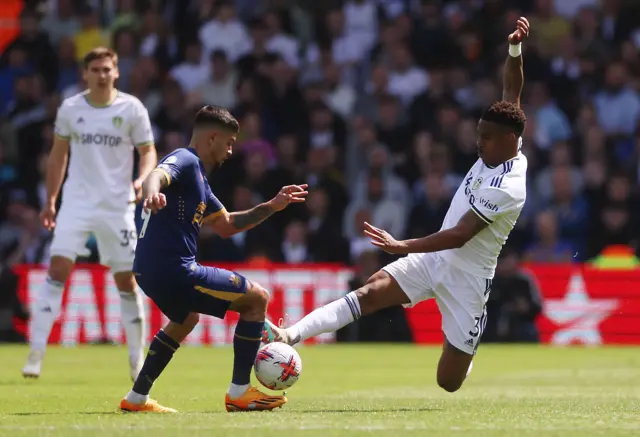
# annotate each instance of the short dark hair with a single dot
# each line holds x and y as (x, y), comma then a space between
(100, 53)
(507, 114)
(216, 116)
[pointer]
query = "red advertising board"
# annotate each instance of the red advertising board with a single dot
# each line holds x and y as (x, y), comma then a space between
(582, 305)
(91, 305)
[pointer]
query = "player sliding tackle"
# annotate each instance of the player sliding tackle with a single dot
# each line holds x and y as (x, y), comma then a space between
(177, 202)
(455, 265)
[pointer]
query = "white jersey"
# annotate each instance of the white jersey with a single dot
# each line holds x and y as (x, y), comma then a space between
(102, 140)
(497, 196)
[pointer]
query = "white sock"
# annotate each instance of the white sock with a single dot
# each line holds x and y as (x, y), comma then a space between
(235, 390)
(329, 318)
(132, 317)
(47, 309)
(136, 398)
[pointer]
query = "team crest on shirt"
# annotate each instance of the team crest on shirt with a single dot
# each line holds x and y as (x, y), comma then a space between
(117, 122)
(235, 280)
(477, 183)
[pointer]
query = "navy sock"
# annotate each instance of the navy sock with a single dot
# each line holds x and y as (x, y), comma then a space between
(160, 353)
(246, 343)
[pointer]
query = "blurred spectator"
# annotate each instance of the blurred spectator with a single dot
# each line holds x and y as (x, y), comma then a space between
(373, 103)
(617, 105)
(220, 88)
(514, 303)
(69, 72)
(192, 72)
(36, 45)
(61, 23)
(224, 33)
(90, 35)
(548, 246)
(571, 210)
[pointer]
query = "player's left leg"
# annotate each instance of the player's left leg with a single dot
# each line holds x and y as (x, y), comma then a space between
(461, 298)
(453, 368)
(116, 237)
(170, 299)
(132, 319)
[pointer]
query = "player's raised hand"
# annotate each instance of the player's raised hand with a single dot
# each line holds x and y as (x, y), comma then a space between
(384, 240)
(521, 33)
(154, 202)
(48, 217)
(289, 194)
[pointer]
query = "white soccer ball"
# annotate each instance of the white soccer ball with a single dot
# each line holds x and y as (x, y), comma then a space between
(278, 366)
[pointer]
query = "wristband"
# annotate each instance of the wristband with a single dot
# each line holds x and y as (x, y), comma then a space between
(515, 50)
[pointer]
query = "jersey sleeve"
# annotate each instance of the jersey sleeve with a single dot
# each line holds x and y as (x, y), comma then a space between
(62, 127)
(141, 132)
(214, 206)
(491, 203)
(176, 167)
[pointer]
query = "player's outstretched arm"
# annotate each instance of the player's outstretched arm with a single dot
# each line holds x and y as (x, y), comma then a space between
(56, 166)
(513, 77)
(228, 224)
(468, 226)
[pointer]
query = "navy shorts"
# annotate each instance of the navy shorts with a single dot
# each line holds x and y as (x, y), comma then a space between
(203, 290)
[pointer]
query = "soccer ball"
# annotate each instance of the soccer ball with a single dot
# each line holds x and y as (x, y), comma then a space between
(278, 366)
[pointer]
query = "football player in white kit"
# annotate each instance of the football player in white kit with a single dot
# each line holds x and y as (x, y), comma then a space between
(455, 265)
(100, 127)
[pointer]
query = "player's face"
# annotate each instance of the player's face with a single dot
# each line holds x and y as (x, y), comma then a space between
(101, 74)
(220, 147)
(493, 142)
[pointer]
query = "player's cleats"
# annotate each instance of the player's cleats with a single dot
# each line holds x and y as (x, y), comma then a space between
(149, 406)
(272, 333)
(253, 400)
(34, 364)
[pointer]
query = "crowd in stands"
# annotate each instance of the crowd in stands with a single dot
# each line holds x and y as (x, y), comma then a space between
(373, 103)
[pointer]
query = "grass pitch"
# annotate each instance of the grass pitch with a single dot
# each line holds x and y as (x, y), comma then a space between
(378, 390)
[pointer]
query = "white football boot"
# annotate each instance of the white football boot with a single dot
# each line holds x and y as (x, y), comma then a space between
(33, 366)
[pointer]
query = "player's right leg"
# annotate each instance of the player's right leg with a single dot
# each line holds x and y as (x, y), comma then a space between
(69, 240)
(47, 309)
(214, 292)
(382, 290)
(252, 307)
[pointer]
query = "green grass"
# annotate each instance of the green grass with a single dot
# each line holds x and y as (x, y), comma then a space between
(378, 390)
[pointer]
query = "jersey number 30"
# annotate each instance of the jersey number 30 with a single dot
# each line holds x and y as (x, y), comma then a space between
(145, 216)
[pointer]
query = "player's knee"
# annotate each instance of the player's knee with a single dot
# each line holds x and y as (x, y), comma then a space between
(449, 384)
(191, 321)
(258, 297)
(371, 296)
(60, 268)
(125, 281)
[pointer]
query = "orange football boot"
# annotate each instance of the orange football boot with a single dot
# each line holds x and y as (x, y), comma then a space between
(254, 400)
(150, 406)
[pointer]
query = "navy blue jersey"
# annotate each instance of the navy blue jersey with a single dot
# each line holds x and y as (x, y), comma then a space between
(168, 239)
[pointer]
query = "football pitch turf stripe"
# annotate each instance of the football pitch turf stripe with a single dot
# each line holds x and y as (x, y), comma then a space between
(344, 390)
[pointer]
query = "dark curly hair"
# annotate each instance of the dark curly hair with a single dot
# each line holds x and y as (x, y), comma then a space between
(507, 114)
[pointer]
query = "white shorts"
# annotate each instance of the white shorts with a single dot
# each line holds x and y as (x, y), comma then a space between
(461, 296)
(115, 233)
